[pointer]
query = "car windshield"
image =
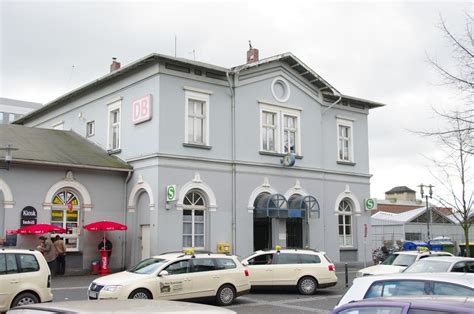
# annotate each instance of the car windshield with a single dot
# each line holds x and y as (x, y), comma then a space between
(147, 266)
(428, 266)
(400, 260)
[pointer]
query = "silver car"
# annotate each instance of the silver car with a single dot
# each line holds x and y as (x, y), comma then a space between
(414, 284)
(443, 265)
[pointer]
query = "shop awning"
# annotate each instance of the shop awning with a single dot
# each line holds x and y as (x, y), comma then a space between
(304, 204)
(276, 206)
(271, 205)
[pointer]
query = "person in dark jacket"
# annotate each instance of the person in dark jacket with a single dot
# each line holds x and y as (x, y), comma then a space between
(105, 244)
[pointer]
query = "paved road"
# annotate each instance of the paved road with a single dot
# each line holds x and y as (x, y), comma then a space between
(260, 301)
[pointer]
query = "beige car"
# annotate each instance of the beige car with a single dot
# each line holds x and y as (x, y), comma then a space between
(177, 276)
(120, 306)
(24, 278)
(308, 270)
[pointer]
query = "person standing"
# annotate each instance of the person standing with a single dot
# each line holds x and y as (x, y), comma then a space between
(105, 244)
(61, 259)
(49, 252)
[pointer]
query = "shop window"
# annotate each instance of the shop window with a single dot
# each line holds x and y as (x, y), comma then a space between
(65, 214)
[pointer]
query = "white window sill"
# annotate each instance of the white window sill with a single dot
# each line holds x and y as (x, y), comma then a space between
(199, 146)
(114, 151)
(275, 154)
(346, 162)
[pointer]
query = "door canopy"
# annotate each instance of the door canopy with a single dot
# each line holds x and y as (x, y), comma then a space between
(276, 206)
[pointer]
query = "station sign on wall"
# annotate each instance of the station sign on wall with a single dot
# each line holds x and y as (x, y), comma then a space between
(29, 216)
(370, 204)
(171, 193)
(142, 109)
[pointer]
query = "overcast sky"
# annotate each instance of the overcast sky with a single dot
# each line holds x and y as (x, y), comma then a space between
(373, 50)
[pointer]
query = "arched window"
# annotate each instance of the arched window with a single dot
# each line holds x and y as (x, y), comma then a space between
(194, 210)
(65, 213)
(345, 222)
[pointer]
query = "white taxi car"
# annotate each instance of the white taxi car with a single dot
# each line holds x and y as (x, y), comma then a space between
(24, 278)
(177, 276)
(398, 262)
(306, 269)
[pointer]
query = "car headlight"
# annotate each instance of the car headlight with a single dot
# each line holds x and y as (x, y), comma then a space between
(111, 288)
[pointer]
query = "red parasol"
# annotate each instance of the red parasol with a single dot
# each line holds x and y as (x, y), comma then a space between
(11, 232)
(104, 226)
(40, 229)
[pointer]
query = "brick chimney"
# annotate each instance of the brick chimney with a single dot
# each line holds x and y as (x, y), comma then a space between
(115, 65)
(252, 54)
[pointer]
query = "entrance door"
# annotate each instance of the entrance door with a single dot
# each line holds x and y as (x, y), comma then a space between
(145, 234)
(294, 232)
(262, 233)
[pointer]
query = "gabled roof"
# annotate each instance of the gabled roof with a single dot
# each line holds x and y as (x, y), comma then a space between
(302, 69)
(56, 148)
(382, 217)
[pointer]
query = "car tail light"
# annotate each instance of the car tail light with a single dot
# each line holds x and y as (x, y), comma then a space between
(332, 267)
(246, 272)
(48, 284)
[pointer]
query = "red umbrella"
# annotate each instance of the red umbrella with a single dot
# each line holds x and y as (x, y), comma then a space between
(11, 232)
(40, 229)
(104, 226)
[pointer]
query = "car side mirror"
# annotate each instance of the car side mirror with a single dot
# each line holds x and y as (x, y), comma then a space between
(245, 263)
(163, 273)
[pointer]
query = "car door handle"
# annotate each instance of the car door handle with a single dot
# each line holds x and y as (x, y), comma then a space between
(187, 279)
(268, 270)
(14, 281)
(298, 269)
(215, 277)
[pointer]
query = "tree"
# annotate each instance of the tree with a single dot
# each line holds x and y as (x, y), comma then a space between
(456, 133)
(455, 172)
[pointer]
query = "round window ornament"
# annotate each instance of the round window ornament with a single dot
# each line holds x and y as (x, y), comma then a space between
(280, 89)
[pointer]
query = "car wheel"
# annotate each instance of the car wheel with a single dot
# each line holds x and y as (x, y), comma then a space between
(140, 294)
(24, 299)
(307, 285)
(225, 295)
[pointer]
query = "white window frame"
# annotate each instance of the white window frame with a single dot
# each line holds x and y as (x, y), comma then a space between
(203, 96)
(193, 209)
(92, 132)
(343, 214)
(281, 112)
(117, 105)
(349, 124)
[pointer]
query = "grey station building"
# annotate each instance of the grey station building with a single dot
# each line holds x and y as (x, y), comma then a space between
(193, 155)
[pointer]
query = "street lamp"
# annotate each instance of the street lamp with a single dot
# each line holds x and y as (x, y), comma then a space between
(428, 212)
(8, 156)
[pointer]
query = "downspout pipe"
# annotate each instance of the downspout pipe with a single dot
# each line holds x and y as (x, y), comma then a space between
(125, 199)
(234, 176)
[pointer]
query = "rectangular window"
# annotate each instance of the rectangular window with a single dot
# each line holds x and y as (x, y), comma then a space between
(114, 126)
(197, 116)
(269, 128)
(289, 134)
(345, 142)
(279, 129)
(193, 229)
(90, 128)
(345, 230)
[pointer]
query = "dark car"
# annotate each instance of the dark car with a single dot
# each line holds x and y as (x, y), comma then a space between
(412, 305)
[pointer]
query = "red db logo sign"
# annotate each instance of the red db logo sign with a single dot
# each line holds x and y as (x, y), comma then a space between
(142, 109)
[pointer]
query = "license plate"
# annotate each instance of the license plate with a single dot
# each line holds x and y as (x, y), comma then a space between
(93, 294)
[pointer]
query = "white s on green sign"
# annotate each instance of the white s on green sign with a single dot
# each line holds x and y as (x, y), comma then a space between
(170, 193)
(370, 203)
